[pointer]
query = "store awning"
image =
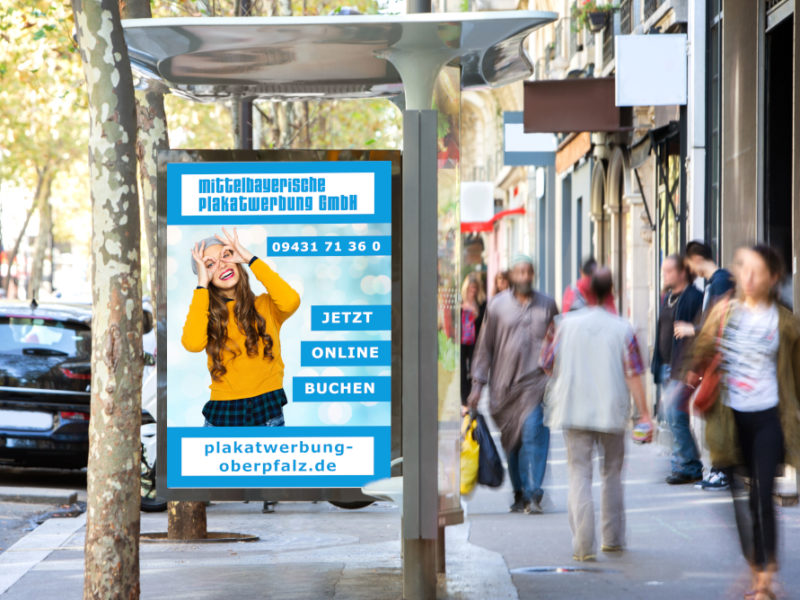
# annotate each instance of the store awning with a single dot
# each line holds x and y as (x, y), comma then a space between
(489, 225)
(572, 149)
(640, 148)
(573, 105)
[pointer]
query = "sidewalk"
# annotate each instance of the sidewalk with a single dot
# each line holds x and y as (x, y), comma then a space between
(682, 545)
(682, 541)
(305, 552)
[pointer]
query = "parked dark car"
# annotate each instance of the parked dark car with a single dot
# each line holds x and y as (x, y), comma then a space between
(45, 374)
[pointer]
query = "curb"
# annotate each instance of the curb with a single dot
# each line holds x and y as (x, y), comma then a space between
(32, 495)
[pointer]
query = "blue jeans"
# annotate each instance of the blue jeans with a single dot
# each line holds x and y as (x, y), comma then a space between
(274, 422)
(528, 461)
(685, 456)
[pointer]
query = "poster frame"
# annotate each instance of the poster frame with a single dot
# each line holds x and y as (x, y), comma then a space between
(344, 497)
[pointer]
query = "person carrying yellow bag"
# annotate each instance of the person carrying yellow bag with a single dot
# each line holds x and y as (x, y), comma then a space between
(470, 455)
(480, 461)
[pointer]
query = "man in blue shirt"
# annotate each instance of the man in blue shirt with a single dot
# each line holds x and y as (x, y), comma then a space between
(719, 281)
(681, 305)
(719, 284)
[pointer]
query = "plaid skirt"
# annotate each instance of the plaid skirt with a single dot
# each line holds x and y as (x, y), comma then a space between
(247, 412)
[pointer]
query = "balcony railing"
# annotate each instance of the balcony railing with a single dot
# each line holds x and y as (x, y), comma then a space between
(608, 44)
(626, 17)
(650, 7)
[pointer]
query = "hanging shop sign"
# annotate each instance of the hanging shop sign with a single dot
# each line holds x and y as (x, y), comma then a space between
(526, 149)
(651, 70)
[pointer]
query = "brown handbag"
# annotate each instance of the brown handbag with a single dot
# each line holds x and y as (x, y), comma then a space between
(708, 390)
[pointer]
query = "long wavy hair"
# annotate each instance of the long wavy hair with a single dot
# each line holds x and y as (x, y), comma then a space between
(249, 322)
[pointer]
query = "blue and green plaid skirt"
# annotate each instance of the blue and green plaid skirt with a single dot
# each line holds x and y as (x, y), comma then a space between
(247, 412)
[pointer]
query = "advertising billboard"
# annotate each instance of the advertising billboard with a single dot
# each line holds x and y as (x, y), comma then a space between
(277, 361)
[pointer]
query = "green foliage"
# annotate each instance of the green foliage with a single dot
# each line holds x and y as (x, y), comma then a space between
(43, 107)
(44, 115)
(196, 125)
(355, 124)
(448, 352)
(580, 12)
(223, 8)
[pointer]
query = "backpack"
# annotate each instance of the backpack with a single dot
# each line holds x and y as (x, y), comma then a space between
(578, 299)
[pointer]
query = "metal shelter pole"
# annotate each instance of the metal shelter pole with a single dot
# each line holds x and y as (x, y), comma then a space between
(418, 6)
(419, 64)
(245, 124)
(420, 355)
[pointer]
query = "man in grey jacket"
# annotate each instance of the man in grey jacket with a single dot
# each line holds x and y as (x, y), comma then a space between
(507, 360)
(596, 365)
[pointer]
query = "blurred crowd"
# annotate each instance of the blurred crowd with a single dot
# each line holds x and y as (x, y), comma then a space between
(725, 349)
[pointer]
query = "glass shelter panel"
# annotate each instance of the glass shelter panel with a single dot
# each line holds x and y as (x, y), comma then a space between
(447, 101)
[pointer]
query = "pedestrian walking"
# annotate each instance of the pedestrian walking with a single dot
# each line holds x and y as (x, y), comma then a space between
(580, 294)
(682, 303)
(502, 281)
(754, 425)
(473, 308)
(507, 359)
(719, 284)
(596, 365)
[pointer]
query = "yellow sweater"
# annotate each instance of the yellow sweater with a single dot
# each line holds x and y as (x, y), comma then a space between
(246, 376)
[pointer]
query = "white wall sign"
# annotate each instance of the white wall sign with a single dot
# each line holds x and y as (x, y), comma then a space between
(526, 149)
(650, 69)
(477, 201)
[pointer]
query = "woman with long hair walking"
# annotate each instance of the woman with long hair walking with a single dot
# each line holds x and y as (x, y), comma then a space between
(754, 425)
(473, 308)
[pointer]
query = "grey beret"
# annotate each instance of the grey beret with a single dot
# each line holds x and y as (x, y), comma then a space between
(209, 241)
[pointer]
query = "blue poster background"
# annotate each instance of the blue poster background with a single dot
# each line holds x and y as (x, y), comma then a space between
(354, 280)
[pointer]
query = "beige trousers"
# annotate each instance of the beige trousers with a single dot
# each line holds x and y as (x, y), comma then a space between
(580, 505)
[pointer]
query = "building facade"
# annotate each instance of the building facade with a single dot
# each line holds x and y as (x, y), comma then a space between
(754, 173)
(634, 189)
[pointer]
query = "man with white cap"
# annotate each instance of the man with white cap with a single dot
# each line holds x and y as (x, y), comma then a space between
(507, 359)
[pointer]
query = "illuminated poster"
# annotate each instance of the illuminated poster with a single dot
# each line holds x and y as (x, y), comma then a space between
(278, 324)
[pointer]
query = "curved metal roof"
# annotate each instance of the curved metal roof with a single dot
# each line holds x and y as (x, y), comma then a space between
(351, 56)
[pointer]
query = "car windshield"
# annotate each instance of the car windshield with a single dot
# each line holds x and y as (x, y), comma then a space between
(27, 335)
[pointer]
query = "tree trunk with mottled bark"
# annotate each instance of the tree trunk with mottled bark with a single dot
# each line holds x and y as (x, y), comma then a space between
(152, 136)
(43, 181)
(184, 522)
(42, 241)
(113, 491)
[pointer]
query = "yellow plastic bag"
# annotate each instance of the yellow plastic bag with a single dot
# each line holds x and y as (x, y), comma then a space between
(470, 451)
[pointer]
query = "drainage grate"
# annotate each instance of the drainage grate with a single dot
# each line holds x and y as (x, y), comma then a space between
(559, 570)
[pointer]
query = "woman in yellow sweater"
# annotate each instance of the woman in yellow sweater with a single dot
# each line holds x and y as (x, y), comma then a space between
(239, 332)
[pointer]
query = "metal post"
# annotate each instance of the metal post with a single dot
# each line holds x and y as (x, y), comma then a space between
(420, 354)
(246, 124)
(246, 104)
(684, 151)
(418, 6)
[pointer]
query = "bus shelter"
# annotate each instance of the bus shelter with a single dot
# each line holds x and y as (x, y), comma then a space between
(418, 61)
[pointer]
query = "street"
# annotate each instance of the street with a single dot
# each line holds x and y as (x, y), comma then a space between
(42, 491)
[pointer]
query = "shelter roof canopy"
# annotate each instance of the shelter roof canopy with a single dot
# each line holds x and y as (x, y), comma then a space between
(351, 56)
